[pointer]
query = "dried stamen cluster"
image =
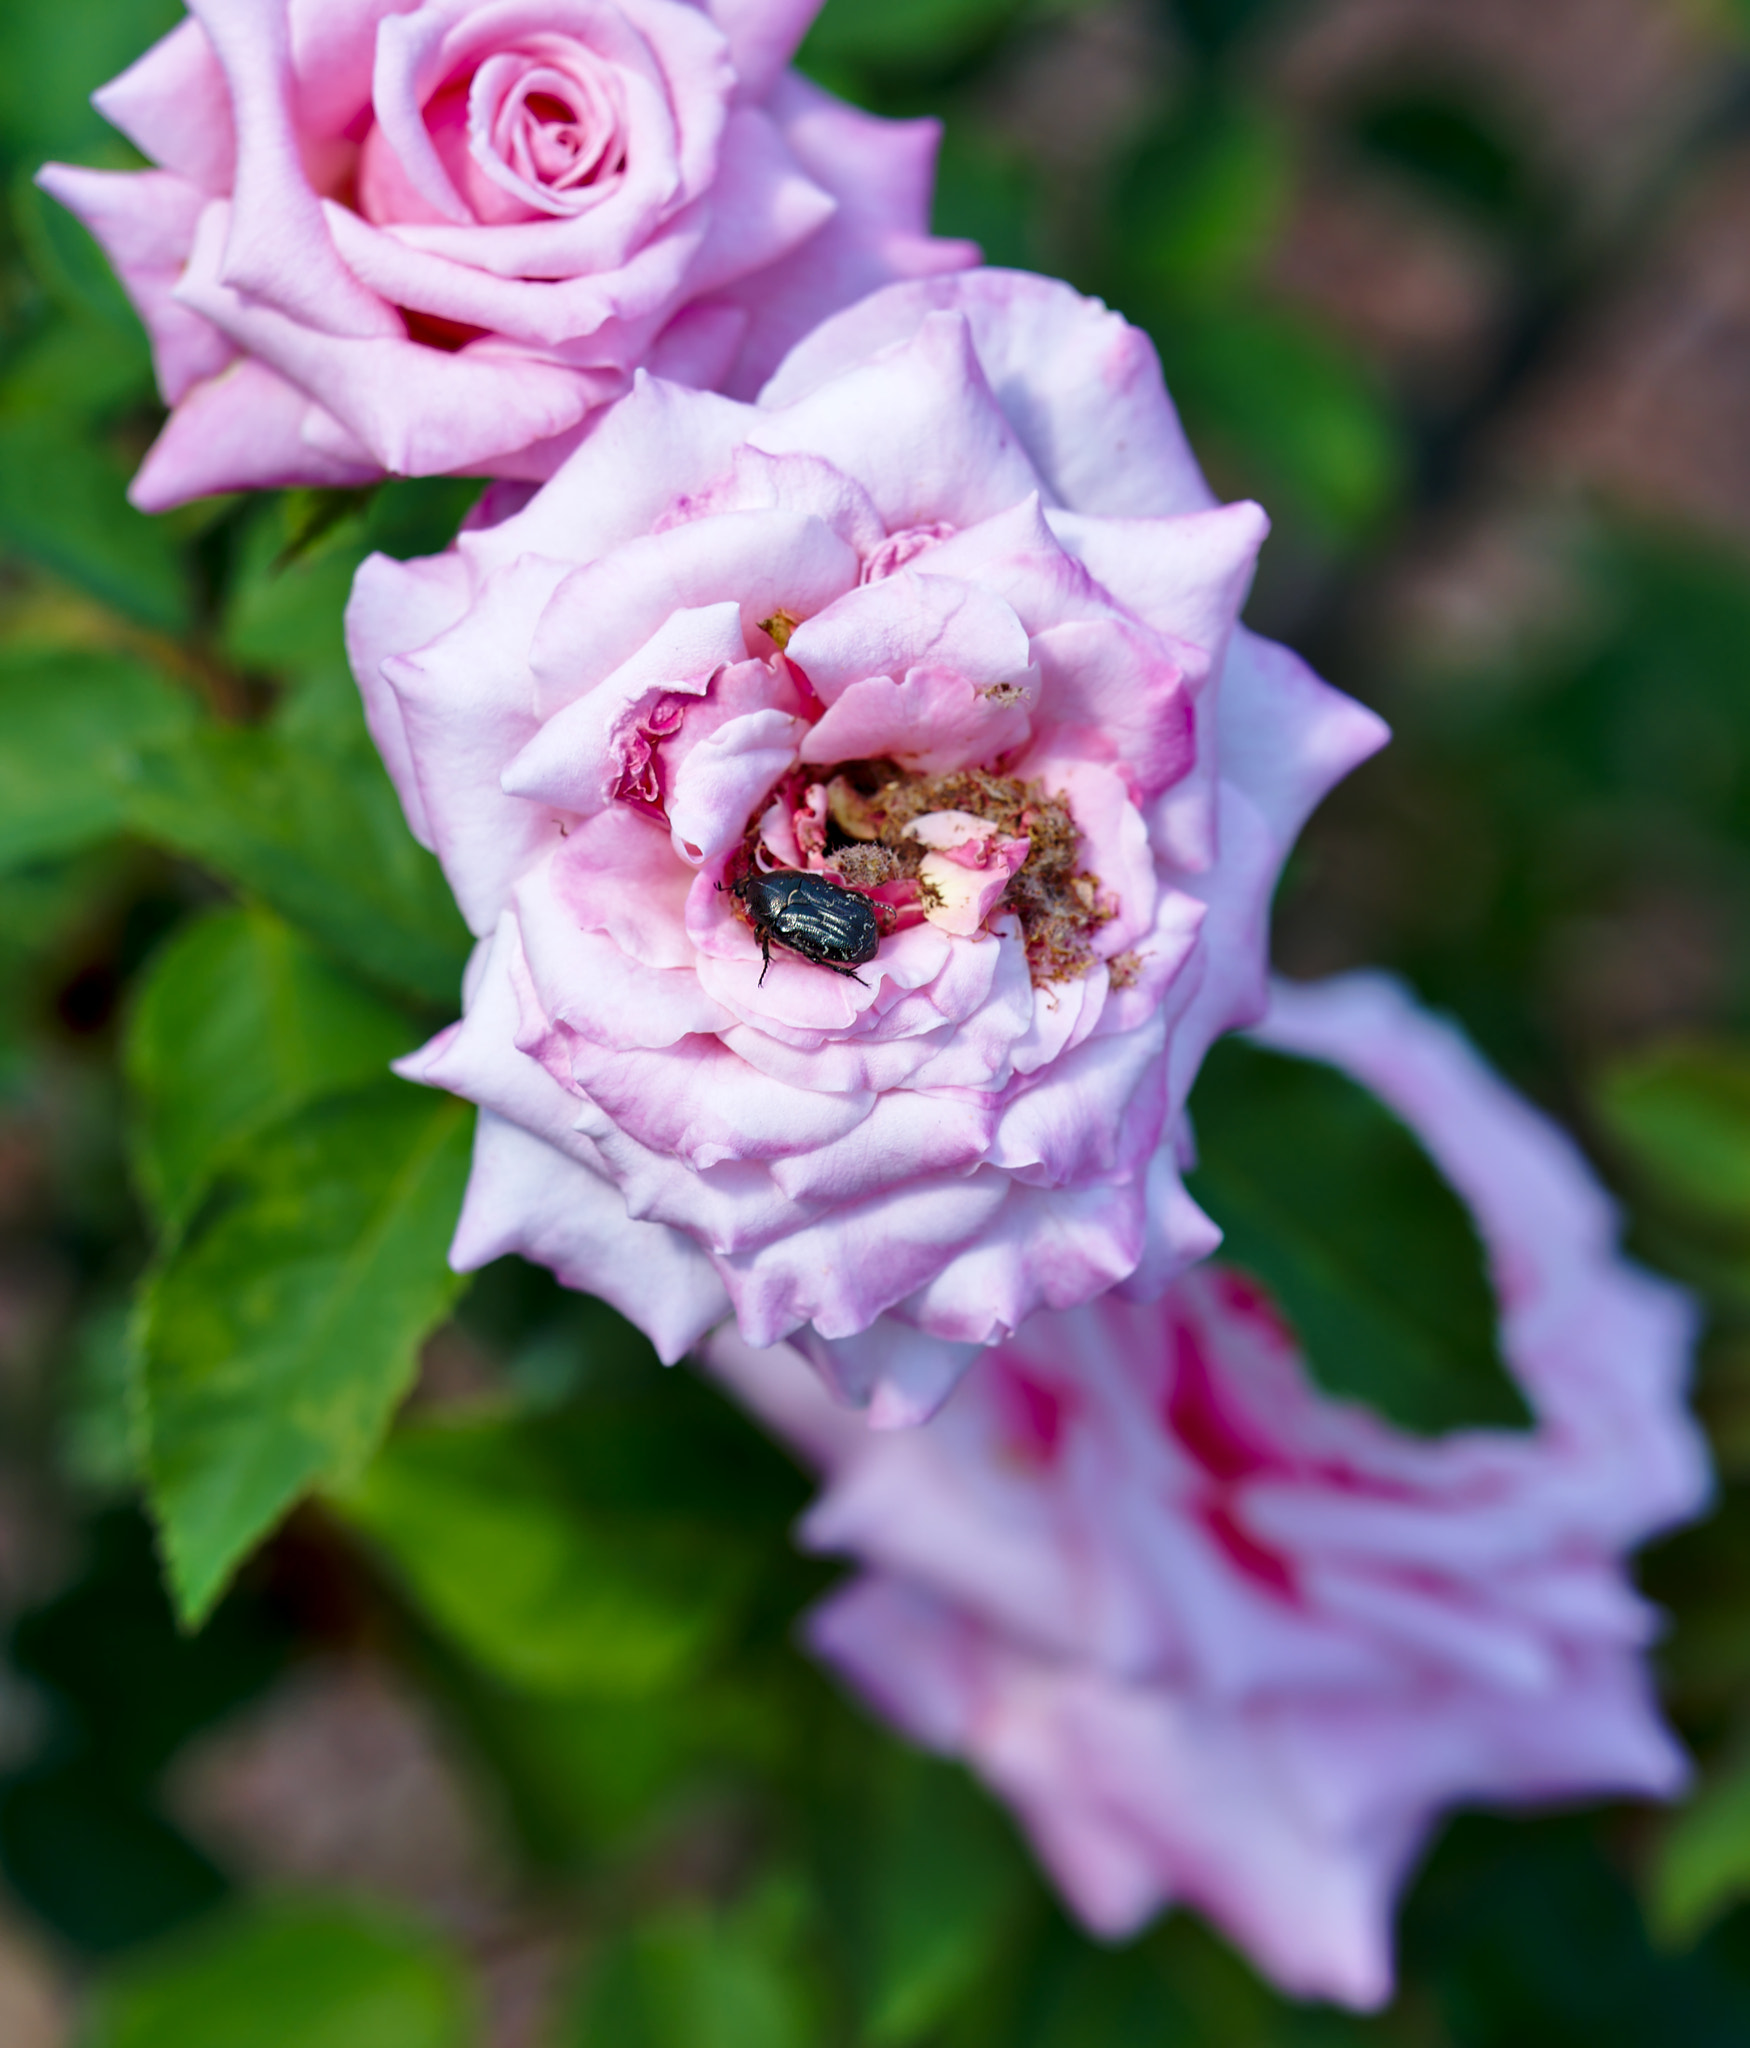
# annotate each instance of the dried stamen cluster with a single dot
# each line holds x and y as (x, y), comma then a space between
(1058, 903)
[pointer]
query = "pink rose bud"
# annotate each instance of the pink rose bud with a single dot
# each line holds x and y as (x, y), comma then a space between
(1223, 1640)
(435, 236)
(696, 664)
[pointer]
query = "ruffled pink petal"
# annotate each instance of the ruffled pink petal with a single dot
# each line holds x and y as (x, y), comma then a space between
(1548, 1227)
(419, 411)
(524, 1197)
(930, 721)
(960, 893)
(174, 105)
(762, 204)
(604, 613)
(145, 222)
(908, 1135)
(1043, 1249)
(697, 346)
(573, 760)
(396, 605)
(635, 459)
(245, 429)
(758, 482)
(334, 44)
(1114, 690)
(841, 1272)
(467, 705)
(945, 451)
(1081, 387)
(469, 1058)
(763, 37)
(882, 176)
(699, 1103)
(906, 621)
(720, 783)
(592, 986)
(278, 252)
(617, 874)
(594, 320)
(1187, 575)
(1266, 692)
(898, 1377)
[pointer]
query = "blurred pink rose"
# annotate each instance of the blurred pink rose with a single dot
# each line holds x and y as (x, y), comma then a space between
(946, 618)
(431, 235)
(1221, 1639)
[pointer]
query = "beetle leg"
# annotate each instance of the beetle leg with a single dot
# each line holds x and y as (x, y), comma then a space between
(766, 956)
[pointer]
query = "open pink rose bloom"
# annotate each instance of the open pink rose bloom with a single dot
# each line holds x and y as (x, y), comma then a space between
(1221, 1639)
(946, 622)
(423, 236)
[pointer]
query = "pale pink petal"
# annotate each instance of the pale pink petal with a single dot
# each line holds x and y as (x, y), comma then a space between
(944, 450)
(524, 1197)
(467, 705)
(910, 620)
(175, 107)
(396, 605)
(603, 614)
(145, 221)
(763, 35)
(881, 174)
(245, 427)
(1081, 387)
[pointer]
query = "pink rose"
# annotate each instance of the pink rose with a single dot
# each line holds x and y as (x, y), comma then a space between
(432, 235)
(944, 624)
(1221, 1639)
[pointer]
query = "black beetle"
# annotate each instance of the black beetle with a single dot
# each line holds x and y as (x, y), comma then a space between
(808, 915)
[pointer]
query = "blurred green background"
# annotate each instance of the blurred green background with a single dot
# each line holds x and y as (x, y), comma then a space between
(504, 1740)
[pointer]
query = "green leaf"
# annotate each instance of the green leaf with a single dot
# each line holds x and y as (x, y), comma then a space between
(939, 1881)
(66, 723)
(486, 1523)
(291, 1975)
(63, 504)
(81, 367)
(1204, 201)
(239, 1021)
(1681, 1112)
(1704, 1860)
(278, 1337)
(901, 34)
(690, 1978)
(1326, 1198)
(317, 833)
(1291, 412)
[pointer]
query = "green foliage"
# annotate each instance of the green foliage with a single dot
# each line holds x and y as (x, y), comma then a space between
(63, 505)
(1325, 1196)
(1680, 1111)
(50, 59)
(283, 1328)
(901, 35)
(240, 1021)
(933, 1887)
(84, 1841)
(1704, 1859)
(67, 723)
(316, 833)
(693, 1978)
(493, 1527)
(1278, 403)
(292, 1975)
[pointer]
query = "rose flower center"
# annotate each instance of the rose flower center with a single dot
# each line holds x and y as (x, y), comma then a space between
(864, 822)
